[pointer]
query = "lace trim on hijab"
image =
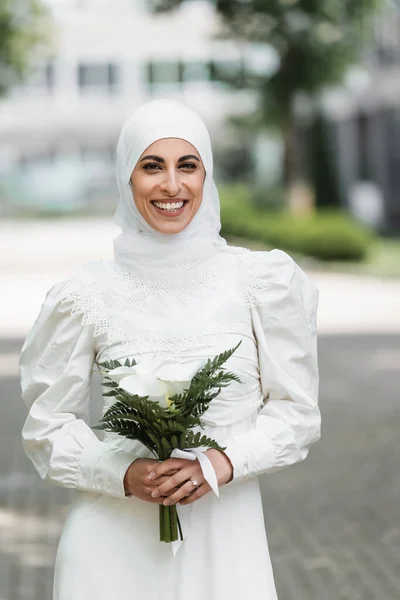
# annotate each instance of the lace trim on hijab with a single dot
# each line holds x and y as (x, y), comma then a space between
(166, 309)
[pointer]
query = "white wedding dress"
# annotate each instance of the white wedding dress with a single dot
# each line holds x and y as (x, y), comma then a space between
(110, 546)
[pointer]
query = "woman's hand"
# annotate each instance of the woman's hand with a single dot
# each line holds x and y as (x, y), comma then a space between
(178, 486)
(138, 484)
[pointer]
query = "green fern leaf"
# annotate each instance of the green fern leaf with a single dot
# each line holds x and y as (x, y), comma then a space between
(166, 446)
(110, 394)
(110, 384)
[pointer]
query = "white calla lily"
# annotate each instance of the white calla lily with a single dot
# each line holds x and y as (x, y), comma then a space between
(145, 385)
(178, 376)
(119, 373)
(157, 380)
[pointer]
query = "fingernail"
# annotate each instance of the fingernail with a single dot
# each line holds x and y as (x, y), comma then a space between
(151, 475)
(166, 502)
(155, 494)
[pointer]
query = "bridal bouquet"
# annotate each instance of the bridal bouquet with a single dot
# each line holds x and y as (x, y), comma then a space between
(160, 407)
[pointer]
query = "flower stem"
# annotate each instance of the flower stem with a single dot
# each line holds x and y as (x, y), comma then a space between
(169, 524)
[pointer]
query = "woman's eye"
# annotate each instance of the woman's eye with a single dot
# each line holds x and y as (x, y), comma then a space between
(156, 167)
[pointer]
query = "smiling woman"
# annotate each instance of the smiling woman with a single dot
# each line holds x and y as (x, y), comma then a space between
(167, 184)
(174, 294)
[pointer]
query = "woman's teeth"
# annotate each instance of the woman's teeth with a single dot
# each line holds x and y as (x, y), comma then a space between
(170, 206)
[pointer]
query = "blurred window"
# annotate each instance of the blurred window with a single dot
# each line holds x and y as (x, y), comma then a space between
(387, 35)
(156, 5)
(104, 155)
(48, 77)
(42, 78)
(98, 77)
(40, 158)
(193, 71)
(164, 74)
(175, 73)
(227, 71)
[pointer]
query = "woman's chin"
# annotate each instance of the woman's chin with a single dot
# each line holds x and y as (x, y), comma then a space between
(170, 227)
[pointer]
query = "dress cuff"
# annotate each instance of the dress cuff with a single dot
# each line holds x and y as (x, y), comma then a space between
(104, 471)
(238, 460)
(251, 454)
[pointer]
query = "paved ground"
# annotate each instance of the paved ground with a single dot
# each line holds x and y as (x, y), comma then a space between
(333, 522)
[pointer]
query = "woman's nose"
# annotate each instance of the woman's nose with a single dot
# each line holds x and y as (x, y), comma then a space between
(171, 184)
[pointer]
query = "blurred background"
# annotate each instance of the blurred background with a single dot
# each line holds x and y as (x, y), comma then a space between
(302, 100)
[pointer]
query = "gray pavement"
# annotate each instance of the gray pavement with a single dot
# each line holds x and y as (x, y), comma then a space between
(333, 522)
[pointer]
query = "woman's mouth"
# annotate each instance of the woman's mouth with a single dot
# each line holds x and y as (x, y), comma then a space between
(170, 208)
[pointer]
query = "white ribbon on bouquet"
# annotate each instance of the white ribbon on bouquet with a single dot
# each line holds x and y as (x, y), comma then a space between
(185, 511)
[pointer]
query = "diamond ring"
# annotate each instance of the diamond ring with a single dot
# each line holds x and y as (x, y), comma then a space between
(194, 482)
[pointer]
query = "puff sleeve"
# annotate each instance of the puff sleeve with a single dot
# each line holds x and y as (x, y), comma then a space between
(284, 325)
(56, 366)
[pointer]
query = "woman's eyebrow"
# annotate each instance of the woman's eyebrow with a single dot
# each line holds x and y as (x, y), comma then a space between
(161, 160)
(188, 157)
(152, 157)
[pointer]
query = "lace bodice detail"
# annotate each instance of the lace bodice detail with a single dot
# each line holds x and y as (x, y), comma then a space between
(165, 310)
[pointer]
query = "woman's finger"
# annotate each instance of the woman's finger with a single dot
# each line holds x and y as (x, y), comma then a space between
(202, 490)
(181, 477)
(162, 478)
(164, 467)
(181, 493)
(152, 485)
(147, 491)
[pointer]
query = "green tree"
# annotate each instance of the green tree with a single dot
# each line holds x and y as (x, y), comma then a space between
(323, 170)
(23, 30)
(316, 40)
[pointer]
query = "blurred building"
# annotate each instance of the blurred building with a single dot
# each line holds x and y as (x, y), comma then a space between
(367, 112)
(110, 56)
(59, 129)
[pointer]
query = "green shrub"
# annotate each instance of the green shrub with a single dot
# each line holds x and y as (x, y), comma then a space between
(328, 235)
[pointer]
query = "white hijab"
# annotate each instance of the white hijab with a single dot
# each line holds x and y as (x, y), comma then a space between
(139, 244)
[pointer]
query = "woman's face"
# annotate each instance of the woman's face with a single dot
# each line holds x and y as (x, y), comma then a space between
(167, 184)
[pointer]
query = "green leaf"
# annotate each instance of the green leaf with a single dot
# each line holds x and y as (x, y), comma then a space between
(108, 365)
(166, 446)
(110, 394)
(153, 438)
(119, 417)
(101, 426)
(111, 384)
